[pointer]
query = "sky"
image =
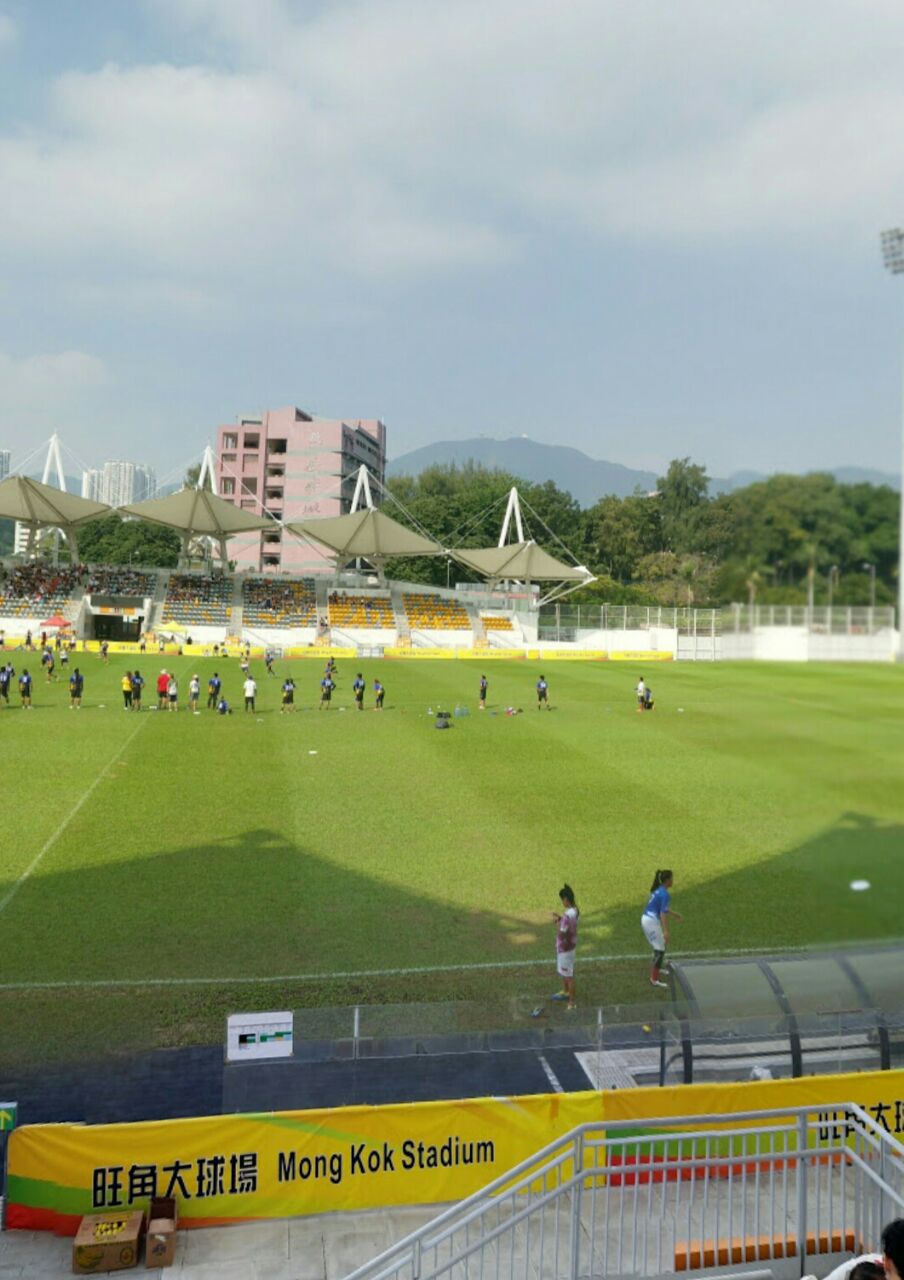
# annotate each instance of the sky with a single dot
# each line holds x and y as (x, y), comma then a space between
(643, 230)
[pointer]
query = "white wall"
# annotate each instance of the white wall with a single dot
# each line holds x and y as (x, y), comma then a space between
(796, 644)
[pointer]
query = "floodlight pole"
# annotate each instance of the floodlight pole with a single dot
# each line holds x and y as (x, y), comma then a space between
(893, 256)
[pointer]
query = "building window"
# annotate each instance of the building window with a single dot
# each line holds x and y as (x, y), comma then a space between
(273, 537)
(248, 504)
(230, 440)
(228, 457)
(273, 494)
(227, 488)
(276, 446)
(271, 560)
(250, 486)
(252, 440)
(276, 473)
(250, 461)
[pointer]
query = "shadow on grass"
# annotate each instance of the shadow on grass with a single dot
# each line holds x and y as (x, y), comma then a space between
(258, 906)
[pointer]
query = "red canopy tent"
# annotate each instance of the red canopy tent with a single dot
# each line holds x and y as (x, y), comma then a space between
(58, 622)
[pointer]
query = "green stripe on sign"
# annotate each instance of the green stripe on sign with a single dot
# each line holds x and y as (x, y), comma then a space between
(39, 1194)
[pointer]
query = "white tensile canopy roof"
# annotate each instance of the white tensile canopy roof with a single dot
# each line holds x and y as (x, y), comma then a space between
(367, 533)
(34, 503)
(197, 512)
(40, 506)
(524, 561)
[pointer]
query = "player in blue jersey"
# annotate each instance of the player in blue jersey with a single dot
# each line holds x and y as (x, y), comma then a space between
(482, 696)
(288, 695)
(542, 694)
(379, 695)
(76, 685)
(358, 690)
(655, 923)
(25, 683)
(214, 685)
(327, 685)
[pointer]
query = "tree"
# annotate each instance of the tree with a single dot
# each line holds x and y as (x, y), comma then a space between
(115, 541)
(682, 490)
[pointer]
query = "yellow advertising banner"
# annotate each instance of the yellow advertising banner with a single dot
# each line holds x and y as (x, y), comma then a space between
(640, 655)
(393, 651)
(244, 1167)
(513, 655)
(574, 655)
(233, 1167)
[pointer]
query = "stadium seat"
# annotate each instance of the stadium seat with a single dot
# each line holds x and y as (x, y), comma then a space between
(435, 613)
(193, 598)
(278, 602)
(361, 611)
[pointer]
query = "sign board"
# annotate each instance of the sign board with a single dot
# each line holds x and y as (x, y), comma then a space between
(258, 1035)
(9, 1114)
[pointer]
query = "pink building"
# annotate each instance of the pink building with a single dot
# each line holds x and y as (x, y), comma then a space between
(293, 465)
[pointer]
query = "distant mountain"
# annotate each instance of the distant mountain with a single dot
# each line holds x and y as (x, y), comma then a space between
(586, 478)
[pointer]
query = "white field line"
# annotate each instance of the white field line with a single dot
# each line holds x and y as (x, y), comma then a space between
(226, 981)
(550, 1074)
(48, 844)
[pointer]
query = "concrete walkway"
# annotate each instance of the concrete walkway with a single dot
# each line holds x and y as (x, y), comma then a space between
(321, 1248)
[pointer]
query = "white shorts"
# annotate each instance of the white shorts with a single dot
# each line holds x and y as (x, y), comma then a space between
(565, 964)
(652, 927)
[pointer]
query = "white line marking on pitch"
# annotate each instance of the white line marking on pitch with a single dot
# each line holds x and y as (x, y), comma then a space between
(48, 844)
(550, 1074)
(107, 983)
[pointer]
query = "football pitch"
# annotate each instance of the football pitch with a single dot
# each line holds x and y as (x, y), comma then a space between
(160, 870)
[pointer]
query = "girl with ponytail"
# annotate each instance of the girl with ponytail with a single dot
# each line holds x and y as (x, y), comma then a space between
(655, 923)
(566, 943)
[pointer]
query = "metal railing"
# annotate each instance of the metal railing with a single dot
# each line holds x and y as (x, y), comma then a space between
(562, 622)
(834, 620)
(764, 1187)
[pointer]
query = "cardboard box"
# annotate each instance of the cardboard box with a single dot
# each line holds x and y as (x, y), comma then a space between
(160, 1248)
(107, 1242)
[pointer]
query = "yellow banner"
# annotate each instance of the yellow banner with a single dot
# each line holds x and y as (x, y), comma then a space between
(574, 655)
(234, 1167)
(513, 655)
(393, 651)
(640, 655)
(228, 1168)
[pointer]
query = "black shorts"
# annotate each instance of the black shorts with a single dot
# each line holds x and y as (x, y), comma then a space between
(541, 695)
(288, 699)
(380, 697)
(326, 695)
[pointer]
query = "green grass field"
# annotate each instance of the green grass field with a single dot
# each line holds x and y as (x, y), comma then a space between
(165, 846)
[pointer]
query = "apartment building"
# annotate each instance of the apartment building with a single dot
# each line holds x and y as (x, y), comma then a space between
(293, 465)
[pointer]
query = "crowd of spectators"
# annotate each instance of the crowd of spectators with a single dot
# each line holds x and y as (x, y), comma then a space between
(277, 602)
(40, 583)
(121, 581)
(199, 598)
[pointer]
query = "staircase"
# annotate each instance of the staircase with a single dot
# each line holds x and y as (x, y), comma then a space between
(401, 617)
(480, 631)
(237, 616)
(155, 613)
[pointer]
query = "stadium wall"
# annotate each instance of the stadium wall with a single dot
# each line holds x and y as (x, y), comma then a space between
(798, 644)
(235, 1168)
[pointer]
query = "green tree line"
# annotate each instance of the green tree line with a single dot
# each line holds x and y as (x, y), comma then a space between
(774, 541)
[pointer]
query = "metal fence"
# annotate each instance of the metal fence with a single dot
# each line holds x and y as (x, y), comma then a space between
(563, 622)
(837, 620)
(769, 1187)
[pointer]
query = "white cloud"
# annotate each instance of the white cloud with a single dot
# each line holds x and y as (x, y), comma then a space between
(8, 32)
(387, 136)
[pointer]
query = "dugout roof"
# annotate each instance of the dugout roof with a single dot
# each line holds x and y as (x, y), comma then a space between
(34, 503)
(368, 533)
(197, 512)
(522, 560)
(800, 1010)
